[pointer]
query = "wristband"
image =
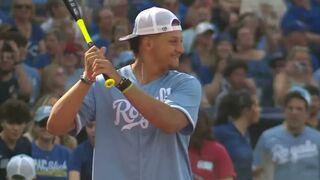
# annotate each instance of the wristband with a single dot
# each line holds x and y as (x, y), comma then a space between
(85, 80)
(124, 85)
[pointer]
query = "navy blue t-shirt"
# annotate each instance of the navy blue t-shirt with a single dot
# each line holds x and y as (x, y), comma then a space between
(23, 146)
(81, 160)
(238, 147)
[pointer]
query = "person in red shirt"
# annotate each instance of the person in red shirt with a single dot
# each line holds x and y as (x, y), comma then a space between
(209, 159)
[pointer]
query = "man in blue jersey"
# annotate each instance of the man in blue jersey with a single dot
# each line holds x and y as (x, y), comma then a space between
(290, 150)
(144, 122)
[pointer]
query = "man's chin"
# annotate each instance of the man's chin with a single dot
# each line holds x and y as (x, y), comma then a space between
(174, 67)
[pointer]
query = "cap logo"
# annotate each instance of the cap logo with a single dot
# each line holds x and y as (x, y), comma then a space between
(164, 28)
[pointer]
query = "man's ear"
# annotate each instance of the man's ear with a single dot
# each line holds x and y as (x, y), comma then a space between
(147, 43)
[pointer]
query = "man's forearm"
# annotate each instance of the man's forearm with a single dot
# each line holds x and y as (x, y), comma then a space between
(63, 115)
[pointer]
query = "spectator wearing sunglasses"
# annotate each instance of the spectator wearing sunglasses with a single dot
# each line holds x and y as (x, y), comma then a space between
(23, 14)
(51, 159)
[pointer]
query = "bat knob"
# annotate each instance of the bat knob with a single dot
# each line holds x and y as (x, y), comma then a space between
(109, 83)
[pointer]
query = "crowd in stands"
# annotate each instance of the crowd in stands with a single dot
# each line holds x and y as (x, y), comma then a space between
(258, 62)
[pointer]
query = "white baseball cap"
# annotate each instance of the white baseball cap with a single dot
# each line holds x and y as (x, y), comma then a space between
(303, 92)
(204, 27)
(42, 112)
(154, 21)
(21, 165)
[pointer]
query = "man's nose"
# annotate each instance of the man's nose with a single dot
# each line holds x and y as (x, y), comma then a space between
(180, 48)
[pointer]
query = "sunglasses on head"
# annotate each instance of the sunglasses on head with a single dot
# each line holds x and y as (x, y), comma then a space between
(20, 6)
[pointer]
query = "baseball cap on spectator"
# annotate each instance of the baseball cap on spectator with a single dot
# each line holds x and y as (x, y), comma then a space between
(205, 27)
(21, 166)
(295, 26)
(154, 21)
(304, 94)
(41, 115)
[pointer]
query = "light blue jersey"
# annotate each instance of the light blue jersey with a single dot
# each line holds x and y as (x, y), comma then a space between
(128, 147)
(284, 156)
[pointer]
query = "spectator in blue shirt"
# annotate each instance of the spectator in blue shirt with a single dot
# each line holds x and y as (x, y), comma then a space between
(51, 159)
(54, 43)
(308, 12)
(104, 19)
(80, 162)
(305, 11)
(237, 111)
(296, 34)
(290, 150)
(22, 12)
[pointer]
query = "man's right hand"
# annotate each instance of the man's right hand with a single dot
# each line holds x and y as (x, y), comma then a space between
(89, 57)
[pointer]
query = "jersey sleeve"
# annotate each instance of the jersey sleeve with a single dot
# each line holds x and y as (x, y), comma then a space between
(186, 97)
(224, 165)
(259, 153)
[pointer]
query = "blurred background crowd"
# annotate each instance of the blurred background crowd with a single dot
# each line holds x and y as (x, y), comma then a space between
(253, 51)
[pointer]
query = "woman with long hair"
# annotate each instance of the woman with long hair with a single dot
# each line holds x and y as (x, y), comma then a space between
(237, 111)
(209, 159)
(52, 85)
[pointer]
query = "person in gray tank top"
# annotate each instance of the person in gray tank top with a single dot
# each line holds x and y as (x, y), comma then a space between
(144, 122)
